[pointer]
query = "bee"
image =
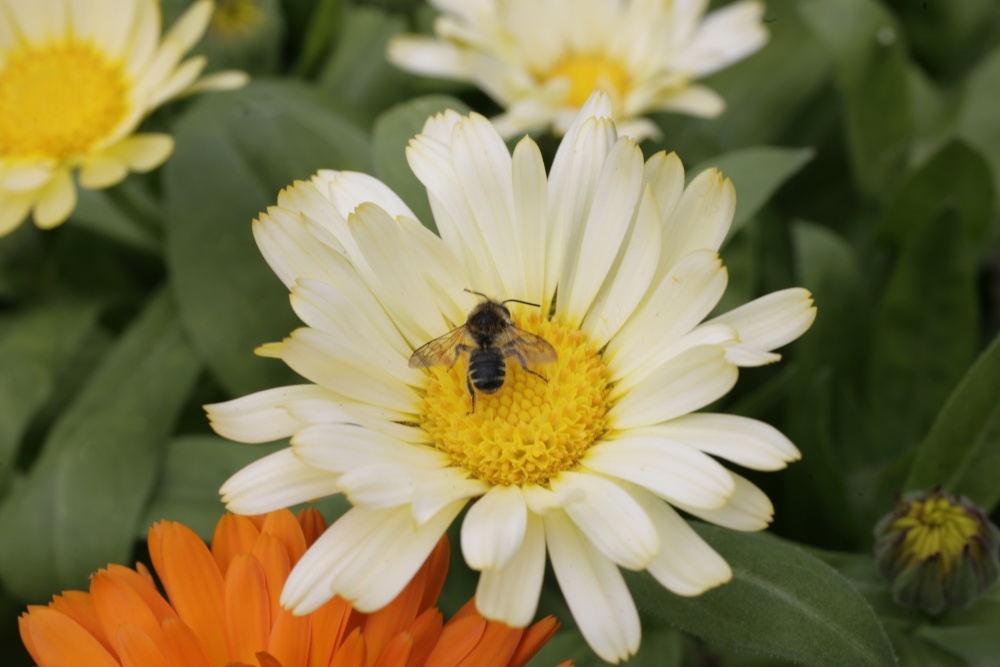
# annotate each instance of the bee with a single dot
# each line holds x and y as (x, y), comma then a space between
(489, 337)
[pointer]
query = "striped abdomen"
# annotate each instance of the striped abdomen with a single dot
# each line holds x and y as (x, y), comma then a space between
(487, 368)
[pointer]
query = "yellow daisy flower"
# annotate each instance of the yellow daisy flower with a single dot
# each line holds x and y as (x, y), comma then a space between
(541, 59)
(76, 79)
(585, 455)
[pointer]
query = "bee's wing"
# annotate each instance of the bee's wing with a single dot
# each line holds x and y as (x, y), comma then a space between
(533, 349)
(440, 351)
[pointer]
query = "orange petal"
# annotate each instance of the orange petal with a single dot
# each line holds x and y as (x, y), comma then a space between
(56, 639)
(329, 626)
(468, 609)
(437, 570)
(565, 663)
(381, 626)
(234, 535)
(273, 558)
(138, 649)
(458, 639)
(183, 647)
(267, 660)
(144, 586)
(313, 524)
(116, 602)
(533, 640)
(24, 627)
(352, 652)
(283, 525)
(290, 638)
(195, 586)
(397, 652)
(495, 648)
(426, 631)
(144, 572)
(248, 610)
(80, 607)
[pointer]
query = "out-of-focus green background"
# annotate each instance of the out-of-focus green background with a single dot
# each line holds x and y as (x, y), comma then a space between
(864, 144)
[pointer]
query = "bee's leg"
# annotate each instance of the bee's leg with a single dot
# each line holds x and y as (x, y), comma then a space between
(460, 349)
(472, 392)
(524, 364)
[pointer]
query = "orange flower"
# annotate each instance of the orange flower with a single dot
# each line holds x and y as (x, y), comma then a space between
(222, 609)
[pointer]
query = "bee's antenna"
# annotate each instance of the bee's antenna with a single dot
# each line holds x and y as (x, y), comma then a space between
(527, 303)
(472, 291)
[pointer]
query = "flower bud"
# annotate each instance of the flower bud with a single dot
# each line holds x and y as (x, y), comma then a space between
(939, 551)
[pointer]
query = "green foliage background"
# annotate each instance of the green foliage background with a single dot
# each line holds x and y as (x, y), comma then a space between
(864, 144)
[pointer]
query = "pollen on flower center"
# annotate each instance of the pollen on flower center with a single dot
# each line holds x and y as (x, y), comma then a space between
(936, 526)
(58, 101)
(588, 72)
(532, 428)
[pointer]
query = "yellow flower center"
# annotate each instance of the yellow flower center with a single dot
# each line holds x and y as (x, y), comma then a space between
(58, 101)
(936, 527)
(586, 73)
(531, 428)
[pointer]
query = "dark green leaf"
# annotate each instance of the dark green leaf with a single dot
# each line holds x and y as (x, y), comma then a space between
(873, 80)
(781, 601)
(357, 70)
(188, 490)
(962, 450)
(924, 335)
(957, 176)
(977, 646)
(97, 211)
(235, 151)
(393, 131)
(756, 174)
(978, 122)
(32, 355)
(320, 31)
(78, 507)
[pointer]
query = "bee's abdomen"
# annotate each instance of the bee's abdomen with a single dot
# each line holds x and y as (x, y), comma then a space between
(487, 369)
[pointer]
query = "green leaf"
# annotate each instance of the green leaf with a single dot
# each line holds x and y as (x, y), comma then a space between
(38, 344)
(78, 506)
(978, 122)
(756, 174)
(392, 133)
(957, 176)
(924, 335)
(235, 151)
(320, 31)
(872, 77)
(195, 468)
(977, 646)
(781, 601)
(358, 71)
(962, 450)
(97, 211)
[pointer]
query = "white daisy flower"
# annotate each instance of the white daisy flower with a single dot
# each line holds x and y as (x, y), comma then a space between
(76, 79)
(541, 59)
(586, 458)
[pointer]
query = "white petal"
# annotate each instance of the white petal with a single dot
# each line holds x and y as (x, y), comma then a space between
(381, 549)
(493, 529)
(594, 590)
(293, 253)
(511, 595)
(340, 448)
(143, 152)
(744, 441)
(725, 36)
(541, 500)
(701, 218)
(56, 200)
(24, 177)
(688, 566)
(629, 278)
(664, 174)
(694, 100)
(773, 320)
(451, 485)
(264, 416)
(14, 208)
(349, 189)
(671, 470)
(686, 383)
(329, 362)
(610, 519)
(274, 482)
(682, 298)
(748, 509)
(384, 484)
(102, 171)
(530, 210)
(593, 249)
(381, 568)
(427, 56)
